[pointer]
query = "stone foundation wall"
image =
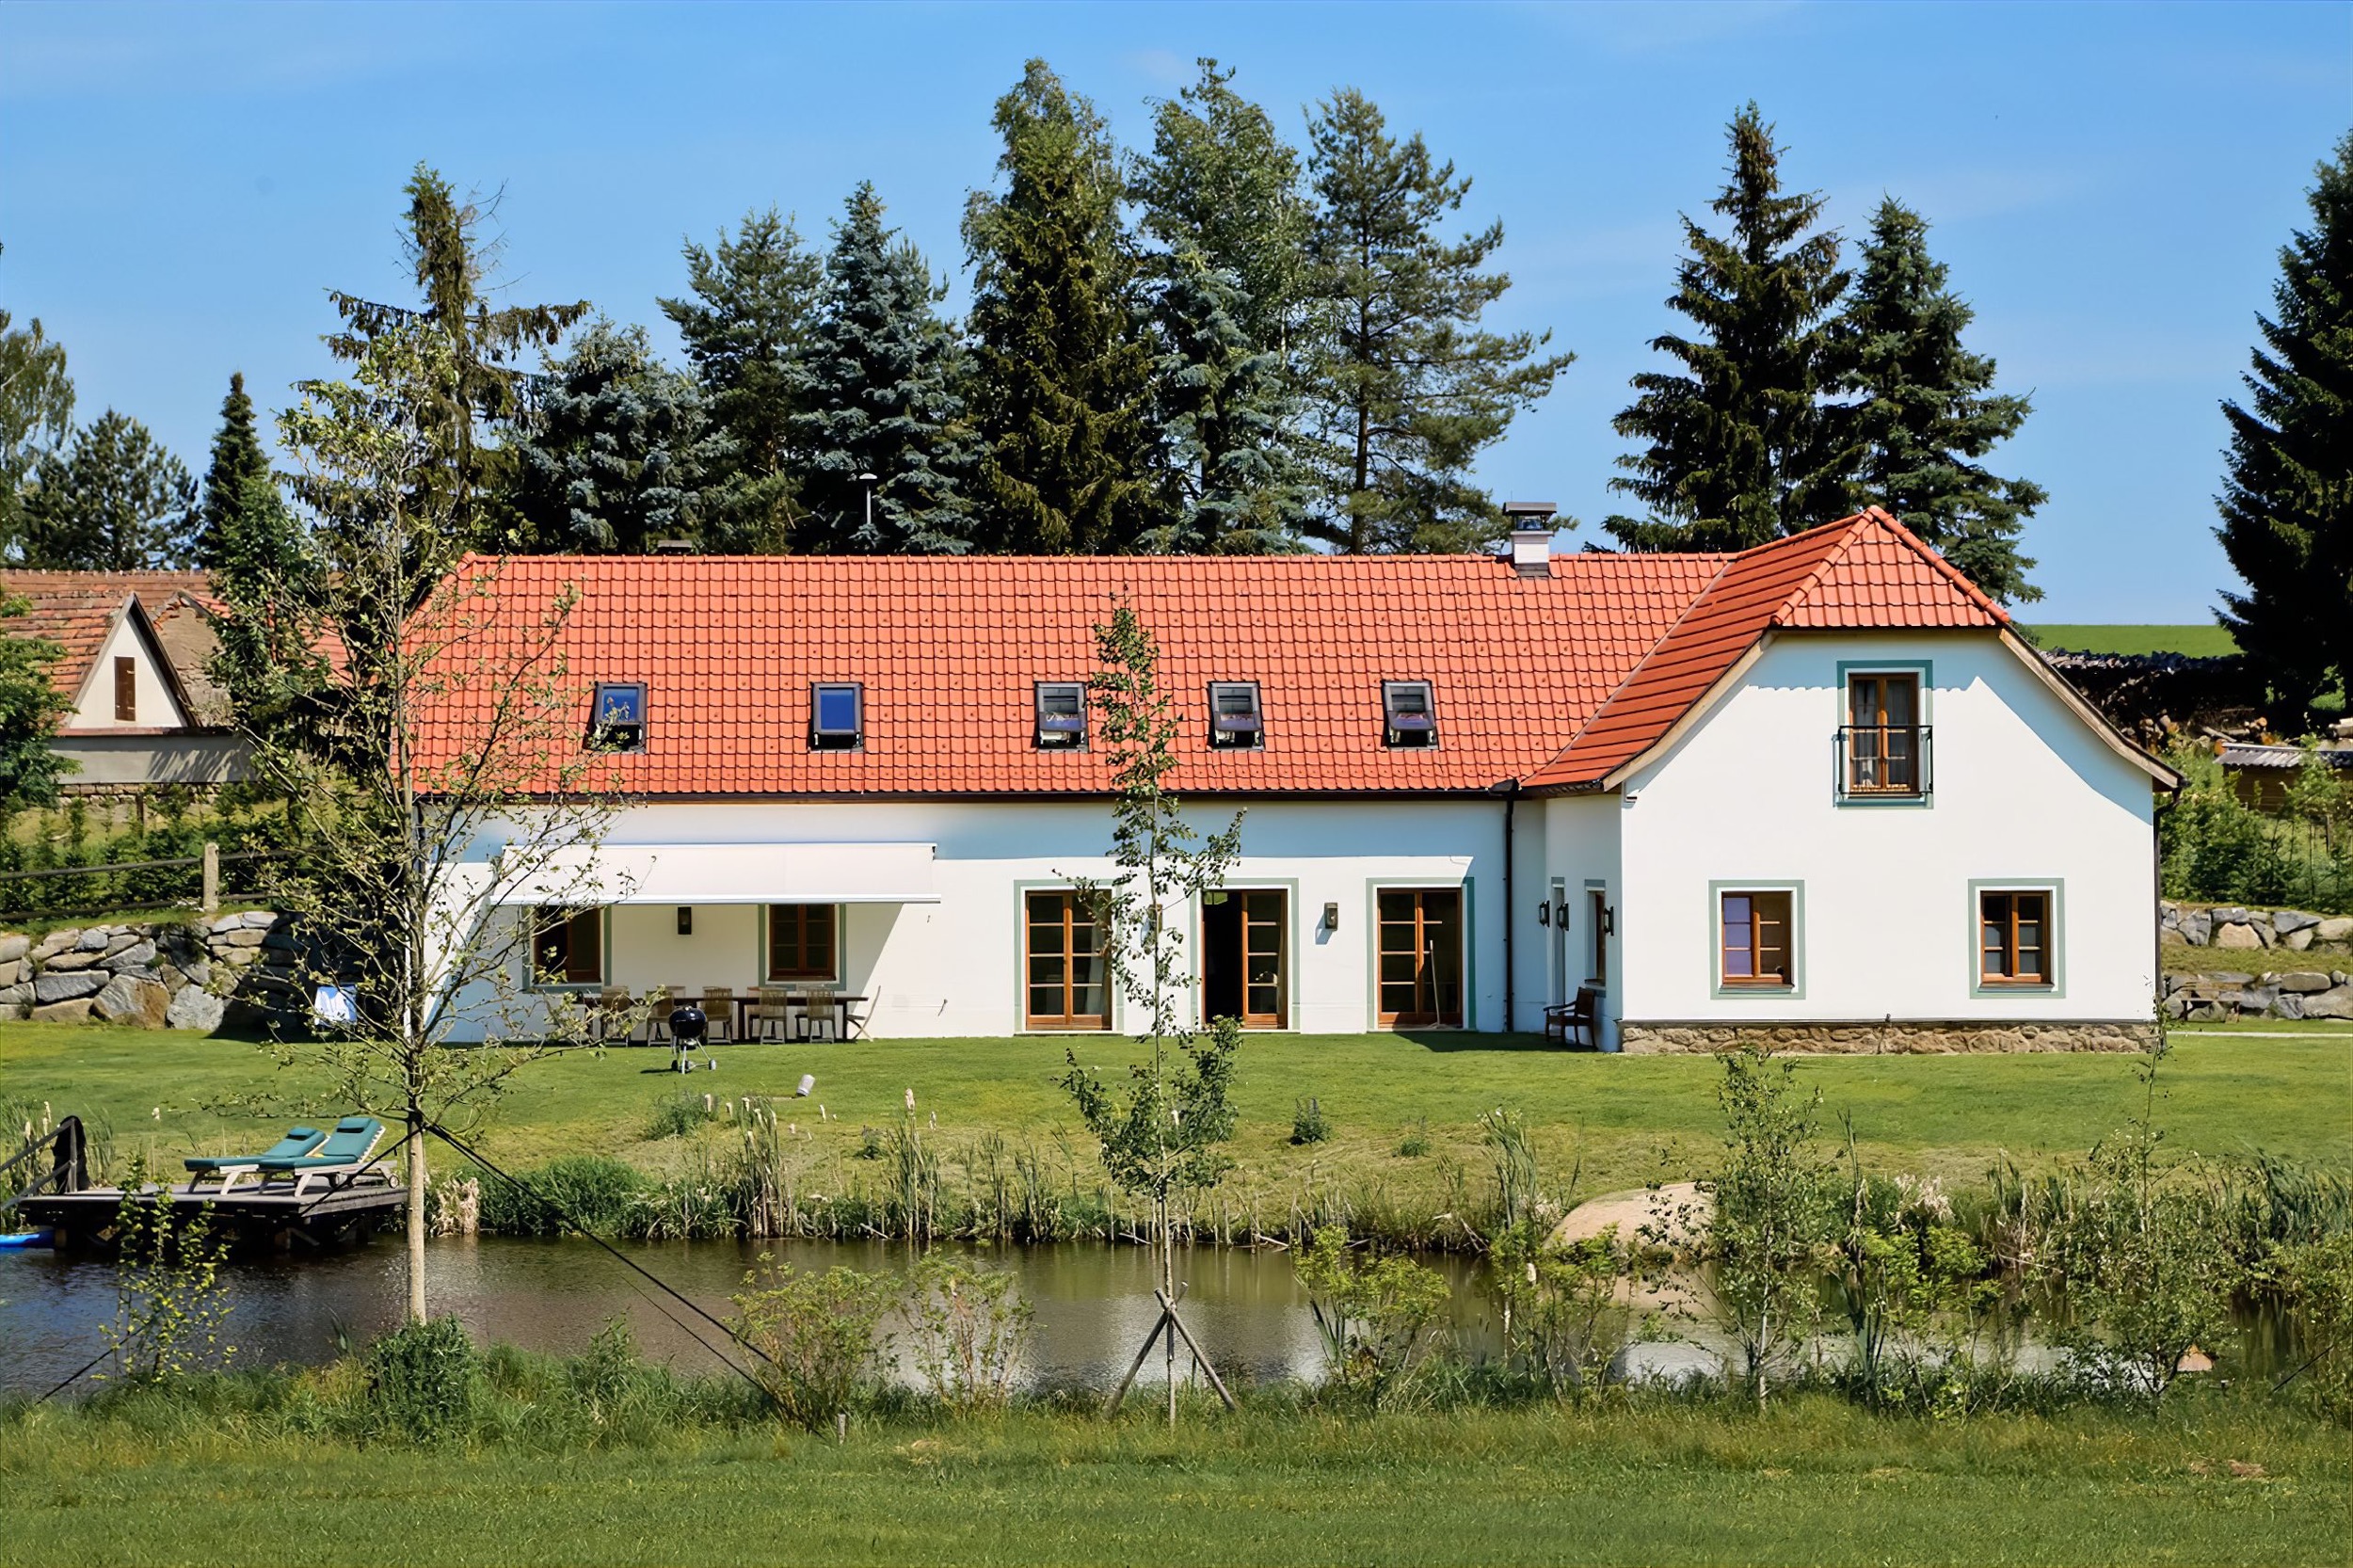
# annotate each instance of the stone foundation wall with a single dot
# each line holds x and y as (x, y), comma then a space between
(151, 975)
(1885, 1039)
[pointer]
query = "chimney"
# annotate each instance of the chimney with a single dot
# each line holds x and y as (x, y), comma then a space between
(674, 547)
(1531, 535)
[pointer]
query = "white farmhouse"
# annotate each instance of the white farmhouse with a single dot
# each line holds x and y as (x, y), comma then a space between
(1819, 790)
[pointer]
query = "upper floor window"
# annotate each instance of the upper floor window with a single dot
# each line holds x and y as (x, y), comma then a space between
(126, 691)
(1234, 717)
(1062, 714)
(616, 719)
(837, 718)
(2014, 938)
(1755, 944)
(1409, 715)
(1884, 743)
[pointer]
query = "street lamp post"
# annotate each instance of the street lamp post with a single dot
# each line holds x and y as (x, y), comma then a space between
(868, 480)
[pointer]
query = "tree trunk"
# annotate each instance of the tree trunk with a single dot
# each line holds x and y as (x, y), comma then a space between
(416, 1216)
(1168, 1290)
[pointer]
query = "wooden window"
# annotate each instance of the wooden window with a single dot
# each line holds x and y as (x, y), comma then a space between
(126, 691)
(2014, 938)
(1755, 939)
(1598, 915)
(569, 947)
(800, 941)
(1420, 976)
(1883, 734)
(1062, 969)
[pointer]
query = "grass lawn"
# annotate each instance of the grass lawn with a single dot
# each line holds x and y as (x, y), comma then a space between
(1620, 1120)
(2200, 642)
(1817, 1482)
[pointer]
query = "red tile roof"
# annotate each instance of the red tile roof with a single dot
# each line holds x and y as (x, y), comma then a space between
(76, 609)
(947, 650)
(1863, 572)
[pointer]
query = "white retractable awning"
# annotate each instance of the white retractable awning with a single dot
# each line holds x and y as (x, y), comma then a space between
(730, 874)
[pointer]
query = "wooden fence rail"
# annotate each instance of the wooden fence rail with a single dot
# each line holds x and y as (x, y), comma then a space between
(208, 899)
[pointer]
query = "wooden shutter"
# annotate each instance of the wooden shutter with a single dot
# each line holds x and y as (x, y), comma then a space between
(126, 691)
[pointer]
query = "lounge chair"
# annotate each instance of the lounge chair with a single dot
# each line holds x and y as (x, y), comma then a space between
(298, 1141)
(343, 1154)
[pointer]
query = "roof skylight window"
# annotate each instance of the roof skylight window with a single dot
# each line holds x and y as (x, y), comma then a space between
(1409, 715)
(1061, 715)
(837, 718)
(1234, 717)
(617, 716)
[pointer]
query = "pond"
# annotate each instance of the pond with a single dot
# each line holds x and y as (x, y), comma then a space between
(1093, 1303)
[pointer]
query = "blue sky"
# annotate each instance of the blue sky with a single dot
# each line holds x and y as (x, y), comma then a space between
(2110, 184)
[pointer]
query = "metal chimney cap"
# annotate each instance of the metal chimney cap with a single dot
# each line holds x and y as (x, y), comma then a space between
(674, 547)
(1530, 509)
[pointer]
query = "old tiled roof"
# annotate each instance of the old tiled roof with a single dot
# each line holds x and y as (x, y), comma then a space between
(1863, 572)
(947, 650)
(76, 609)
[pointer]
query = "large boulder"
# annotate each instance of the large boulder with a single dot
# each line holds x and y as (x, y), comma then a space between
(2236, 934)
(139, 1002)
(49, 986)
(2336, 929)
(194, 1008)
(2197, 927)
(70, 1012)
(2286, 920)
(17, 945)
(2254, 999)
(138, 956)
(69, 960)
(2336, 1003)
(2302, 981)
(96, 939)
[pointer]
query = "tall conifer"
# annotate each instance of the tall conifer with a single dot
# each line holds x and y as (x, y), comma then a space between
(1403, 390)
(747, 320)
(238, 460)
(618, 449)
(884, 396)
(1736, 449)
(113, 499)
(1924, 410)
(1060, 355)
(2287, 496)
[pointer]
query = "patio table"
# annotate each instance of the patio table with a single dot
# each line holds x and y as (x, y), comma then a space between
(840, 1002)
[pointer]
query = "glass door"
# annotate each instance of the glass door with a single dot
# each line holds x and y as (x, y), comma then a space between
(1263, 999)
(1421, 981)
(1065, 969)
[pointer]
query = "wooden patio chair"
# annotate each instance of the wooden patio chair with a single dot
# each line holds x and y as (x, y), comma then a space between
(719, 1015)
(820, 1006)
(611, 1011)
(658, 1014)
(771, 1015)
(1565, 1021)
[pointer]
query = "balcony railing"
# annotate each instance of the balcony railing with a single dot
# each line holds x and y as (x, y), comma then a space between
(1884, 762)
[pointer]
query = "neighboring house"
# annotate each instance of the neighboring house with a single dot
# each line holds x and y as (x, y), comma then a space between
(136, 647)
(2260, 775)
(1818, 791)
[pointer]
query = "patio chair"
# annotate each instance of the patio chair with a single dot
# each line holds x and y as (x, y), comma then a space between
(1564, 1021)
(819, 1010)
(854, 1017)
(611, 1011)
(658, 1006)
(771, 1013)
(343, 1154)
(719, 1014)
(299, 1140)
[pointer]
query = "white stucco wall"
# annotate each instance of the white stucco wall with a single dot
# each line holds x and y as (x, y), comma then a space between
(953, 967)
(1580, 839)
(94, 708)
(2024, 794)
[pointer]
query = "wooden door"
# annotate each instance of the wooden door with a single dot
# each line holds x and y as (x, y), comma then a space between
(1064, 976)
(1265, 991)
(1420, 957)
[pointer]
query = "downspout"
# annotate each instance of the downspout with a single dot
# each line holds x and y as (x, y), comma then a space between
(1509, 790)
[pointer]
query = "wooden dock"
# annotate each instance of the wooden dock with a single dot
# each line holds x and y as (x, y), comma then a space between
(253, 1218)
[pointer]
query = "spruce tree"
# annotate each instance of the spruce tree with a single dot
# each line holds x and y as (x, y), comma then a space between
(1924, 410)
(2287, 496)
(617, 450)
(1222, 403)
(114, 500)
(1404, 391)
(1738, 449)
(238, 459)
(1060, 358)
(453, 264)
(883, 397)
(751, 304)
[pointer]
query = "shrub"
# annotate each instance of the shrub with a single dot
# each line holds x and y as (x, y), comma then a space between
(1308, 1123)
(1372, 1314)
(170, 1303)
(1561, 1322)
(2315, 1279)
(1417, 1141)
(817, 1336)
(592, 1190)
(970, 1329)
(680, 1115)
(424, 1381)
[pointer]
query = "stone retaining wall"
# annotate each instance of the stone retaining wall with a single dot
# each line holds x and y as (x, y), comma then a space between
(1885, 1039)
(2219, 997)
(149, 975)
(2228, 925)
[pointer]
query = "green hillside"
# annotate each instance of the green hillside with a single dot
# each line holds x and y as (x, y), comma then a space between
(2201, 641)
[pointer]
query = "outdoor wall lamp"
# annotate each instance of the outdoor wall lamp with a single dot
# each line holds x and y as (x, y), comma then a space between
(1543, 913)
(1331, 916)
(1561, 913)
(1610, 920)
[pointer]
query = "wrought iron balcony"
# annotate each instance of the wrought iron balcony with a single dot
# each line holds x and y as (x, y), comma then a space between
(1884, 762)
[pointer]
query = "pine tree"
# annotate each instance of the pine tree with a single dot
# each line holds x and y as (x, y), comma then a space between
(617, 450)
(1219, 192)
(1926, 411)
(2287, 499)
(1403, 390)
(36, 415)
(1060, 360)
(747, 320)
(114, 500)
(238, 460)
(453, 264)
(883, 397)
(1739, 449)
(1221, 404)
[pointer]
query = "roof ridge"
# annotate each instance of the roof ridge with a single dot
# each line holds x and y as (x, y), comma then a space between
(1846, 528)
